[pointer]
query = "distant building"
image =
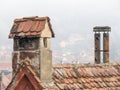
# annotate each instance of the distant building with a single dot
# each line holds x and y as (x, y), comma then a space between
(5, 77)
(33, 68)
(5, 66)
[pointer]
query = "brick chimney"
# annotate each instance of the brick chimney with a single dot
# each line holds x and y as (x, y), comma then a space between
(31, 38)
(97, 38)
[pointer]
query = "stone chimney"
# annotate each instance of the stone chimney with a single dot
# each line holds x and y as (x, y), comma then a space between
(97, 38)
(97, 47)
(31, 38)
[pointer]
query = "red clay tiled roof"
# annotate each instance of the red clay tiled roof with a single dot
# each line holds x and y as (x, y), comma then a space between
(29, 26)
(76, 76)
(95, 77)
(5, 81)
(25, 75)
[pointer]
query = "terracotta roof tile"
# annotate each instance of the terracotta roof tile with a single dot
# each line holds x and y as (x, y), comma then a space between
(19, 20)
(32, 17)
(35, 26)
(20, 27)
(95, 77)
(60, 86)
(25, 70)
(29, 26)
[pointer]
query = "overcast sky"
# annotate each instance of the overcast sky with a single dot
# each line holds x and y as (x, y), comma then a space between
(72, 22)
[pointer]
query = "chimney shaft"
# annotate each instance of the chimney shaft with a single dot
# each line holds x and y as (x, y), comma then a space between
(105, 47)
(97, 47)
(105, 31)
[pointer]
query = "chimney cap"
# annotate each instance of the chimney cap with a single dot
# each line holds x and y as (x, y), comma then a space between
(101, 29)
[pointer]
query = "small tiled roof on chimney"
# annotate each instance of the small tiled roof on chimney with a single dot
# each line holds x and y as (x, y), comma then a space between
(29, 26)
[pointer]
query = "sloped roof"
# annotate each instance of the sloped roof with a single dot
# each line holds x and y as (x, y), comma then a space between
(97, 77)
(4, 81)
(29, 26)
(77, 76)
(25, 79)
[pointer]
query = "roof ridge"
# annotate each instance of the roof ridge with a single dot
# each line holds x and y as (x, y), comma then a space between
(84, 65)
(34, 18)
(26, 65)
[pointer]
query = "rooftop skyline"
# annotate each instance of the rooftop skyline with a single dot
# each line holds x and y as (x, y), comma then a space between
(72, 22)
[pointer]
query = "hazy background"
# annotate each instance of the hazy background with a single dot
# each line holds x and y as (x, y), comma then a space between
(72, 22)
